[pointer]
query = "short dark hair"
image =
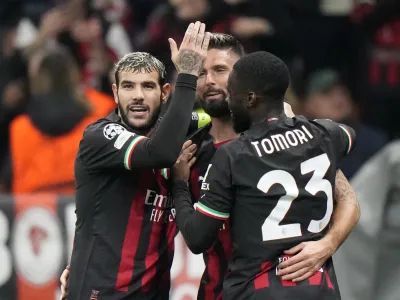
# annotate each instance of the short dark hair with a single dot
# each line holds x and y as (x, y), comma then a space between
(138, 62)
(263, 73)
(225, 41)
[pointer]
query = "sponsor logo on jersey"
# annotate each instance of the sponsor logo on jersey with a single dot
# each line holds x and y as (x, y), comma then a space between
(162, 207)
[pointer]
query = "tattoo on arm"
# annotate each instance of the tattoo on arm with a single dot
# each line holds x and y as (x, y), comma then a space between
(189, 61)
(344, 192)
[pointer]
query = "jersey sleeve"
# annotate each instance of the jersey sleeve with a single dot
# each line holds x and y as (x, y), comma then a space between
(343, 136)
(109, 145)
(159, 151)
(217, 190)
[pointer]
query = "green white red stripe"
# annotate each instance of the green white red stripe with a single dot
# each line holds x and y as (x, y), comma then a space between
(130, 149)
(349, 136)
(210, 212)
(164, 172)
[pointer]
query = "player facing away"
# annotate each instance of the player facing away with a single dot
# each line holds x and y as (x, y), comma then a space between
(223, 52)
(275, 183)
(125, 229)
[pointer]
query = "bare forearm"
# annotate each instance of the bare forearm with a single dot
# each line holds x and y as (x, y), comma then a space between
(346, 213)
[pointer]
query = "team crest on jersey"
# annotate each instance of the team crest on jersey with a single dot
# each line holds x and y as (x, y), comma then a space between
(112, 130)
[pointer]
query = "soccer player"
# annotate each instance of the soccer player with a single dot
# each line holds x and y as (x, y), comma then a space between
(125, 227)
(223, 52)
(275, 182)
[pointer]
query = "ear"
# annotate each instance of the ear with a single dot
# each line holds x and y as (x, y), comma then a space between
(165, 92)
(251, 99)
(115, 92)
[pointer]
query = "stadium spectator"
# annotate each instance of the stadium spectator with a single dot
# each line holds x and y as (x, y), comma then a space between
(59, 109)
(328, 98)
(171, 19)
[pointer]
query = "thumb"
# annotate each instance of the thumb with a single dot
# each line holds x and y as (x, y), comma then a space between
(173, 46)
(295, 249)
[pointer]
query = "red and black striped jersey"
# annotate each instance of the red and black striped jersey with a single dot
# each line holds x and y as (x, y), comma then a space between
(125, 229)
(217, 256)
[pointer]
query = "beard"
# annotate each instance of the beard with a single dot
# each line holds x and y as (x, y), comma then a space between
(148, 126)
(240, 120)
(215, 108)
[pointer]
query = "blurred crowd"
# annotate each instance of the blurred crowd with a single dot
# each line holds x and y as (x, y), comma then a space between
(57, 58)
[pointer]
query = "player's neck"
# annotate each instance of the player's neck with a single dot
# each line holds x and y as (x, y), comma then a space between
(260, 115)
(222, 130)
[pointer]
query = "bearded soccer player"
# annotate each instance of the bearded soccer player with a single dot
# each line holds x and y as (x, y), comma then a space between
(223, 52)
(275, 182)
(125, 227)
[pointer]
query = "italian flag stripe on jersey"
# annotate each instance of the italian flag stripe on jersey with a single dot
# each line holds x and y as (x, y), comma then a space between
(129, 151)
(349, 136)
(211, 212)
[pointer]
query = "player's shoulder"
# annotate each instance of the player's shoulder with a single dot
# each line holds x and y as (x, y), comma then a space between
(328, 126)
(324, 124)
(234, 147)
(104, 127)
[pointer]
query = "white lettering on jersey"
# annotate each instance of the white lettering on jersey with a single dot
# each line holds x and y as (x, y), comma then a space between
(157, 200)
(282, 141)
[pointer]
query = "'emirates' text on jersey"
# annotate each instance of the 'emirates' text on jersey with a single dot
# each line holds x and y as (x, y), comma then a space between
(276, 184)
(124, 239)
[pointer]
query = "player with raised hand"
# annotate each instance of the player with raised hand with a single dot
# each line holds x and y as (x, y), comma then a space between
(223, 52)
(275, 183)
(125, 227)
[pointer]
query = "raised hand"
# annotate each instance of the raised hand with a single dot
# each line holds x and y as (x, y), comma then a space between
(190, 56)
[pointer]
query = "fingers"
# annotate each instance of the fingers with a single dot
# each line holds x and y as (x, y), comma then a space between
(293, 268)
(206, 41)
(63, 293)
(192, 161)
(186, 145)
(191, 149)
(188, 34)
(63, 278)
(292, 261)
(173, 46)
(295, 250)
(188, 153)
(295, 275)
(194, 34)
(304, 277)
(200, 36)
